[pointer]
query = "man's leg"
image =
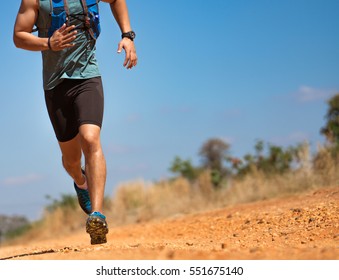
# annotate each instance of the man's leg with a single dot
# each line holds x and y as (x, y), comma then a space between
(88, 142)
(96, 224)
(89, 138)
(71, 159)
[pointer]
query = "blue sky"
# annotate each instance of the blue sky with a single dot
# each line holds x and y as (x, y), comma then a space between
(240, 70)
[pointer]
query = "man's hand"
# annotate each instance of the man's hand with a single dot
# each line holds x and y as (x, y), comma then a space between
(62, 38)
(131, 58)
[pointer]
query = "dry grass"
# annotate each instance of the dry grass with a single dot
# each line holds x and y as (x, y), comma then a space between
(140, 201)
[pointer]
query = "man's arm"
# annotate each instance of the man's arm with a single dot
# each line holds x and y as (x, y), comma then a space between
(120, 13)
(24, 39)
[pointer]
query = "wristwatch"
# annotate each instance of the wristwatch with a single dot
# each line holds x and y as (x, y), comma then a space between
(129, 35)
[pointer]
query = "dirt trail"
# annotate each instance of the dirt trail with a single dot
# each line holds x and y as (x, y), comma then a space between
(298, 227)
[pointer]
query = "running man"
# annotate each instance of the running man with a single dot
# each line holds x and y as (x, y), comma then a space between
(67, 33)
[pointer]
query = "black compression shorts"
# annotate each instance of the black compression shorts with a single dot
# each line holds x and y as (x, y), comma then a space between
(75, 102)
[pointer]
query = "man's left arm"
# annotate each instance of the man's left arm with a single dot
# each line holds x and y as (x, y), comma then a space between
(120, 12)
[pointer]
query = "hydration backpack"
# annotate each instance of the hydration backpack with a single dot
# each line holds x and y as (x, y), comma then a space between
(60, 14)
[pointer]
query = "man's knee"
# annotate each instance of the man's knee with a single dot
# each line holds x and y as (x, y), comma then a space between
(70, 162)
(90, 142)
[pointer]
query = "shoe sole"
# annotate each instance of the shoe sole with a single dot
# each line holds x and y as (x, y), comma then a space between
(97, 229)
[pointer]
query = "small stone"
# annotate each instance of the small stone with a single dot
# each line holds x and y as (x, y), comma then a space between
(170, 255)
(134, 245)
(254, 250)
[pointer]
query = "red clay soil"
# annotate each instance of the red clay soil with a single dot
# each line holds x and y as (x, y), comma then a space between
(304, 226)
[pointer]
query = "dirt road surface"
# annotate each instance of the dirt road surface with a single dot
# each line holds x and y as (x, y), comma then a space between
(297, 227)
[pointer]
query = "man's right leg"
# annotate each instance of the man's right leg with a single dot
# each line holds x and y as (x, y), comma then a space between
(71, 159)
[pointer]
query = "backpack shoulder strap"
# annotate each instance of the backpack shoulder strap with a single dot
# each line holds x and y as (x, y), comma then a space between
(66, 7)
(87, 19)
(42, 23)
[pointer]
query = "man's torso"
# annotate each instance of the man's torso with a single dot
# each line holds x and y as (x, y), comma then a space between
(78, 62)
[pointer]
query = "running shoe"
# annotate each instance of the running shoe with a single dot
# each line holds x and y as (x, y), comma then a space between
(83, 198)
(97, 228)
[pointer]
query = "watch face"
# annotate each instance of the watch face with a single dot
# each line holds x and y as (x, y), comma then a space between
(130, 34)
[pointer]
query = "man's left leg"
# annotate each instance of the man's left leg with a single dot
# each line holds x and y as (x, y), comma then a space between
(95, 164)
(95, 169)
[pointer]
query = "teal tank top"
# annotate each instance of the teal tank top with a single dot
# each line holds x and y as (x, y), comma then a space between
(78, 62)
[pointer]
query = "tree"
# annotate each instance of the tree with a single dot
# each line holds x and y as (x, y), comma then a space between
(274, 160)
(331, 128)
(214, 152)
(184, 168)
(278, 161)
(11, 226)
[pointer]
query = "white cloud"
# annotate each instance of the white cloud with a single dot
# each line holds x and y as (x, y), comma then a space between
(309, 94)
(22, 180)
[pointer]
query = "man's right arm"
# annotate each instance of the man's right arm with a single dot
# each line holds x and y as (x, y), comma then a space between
(23, 37)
